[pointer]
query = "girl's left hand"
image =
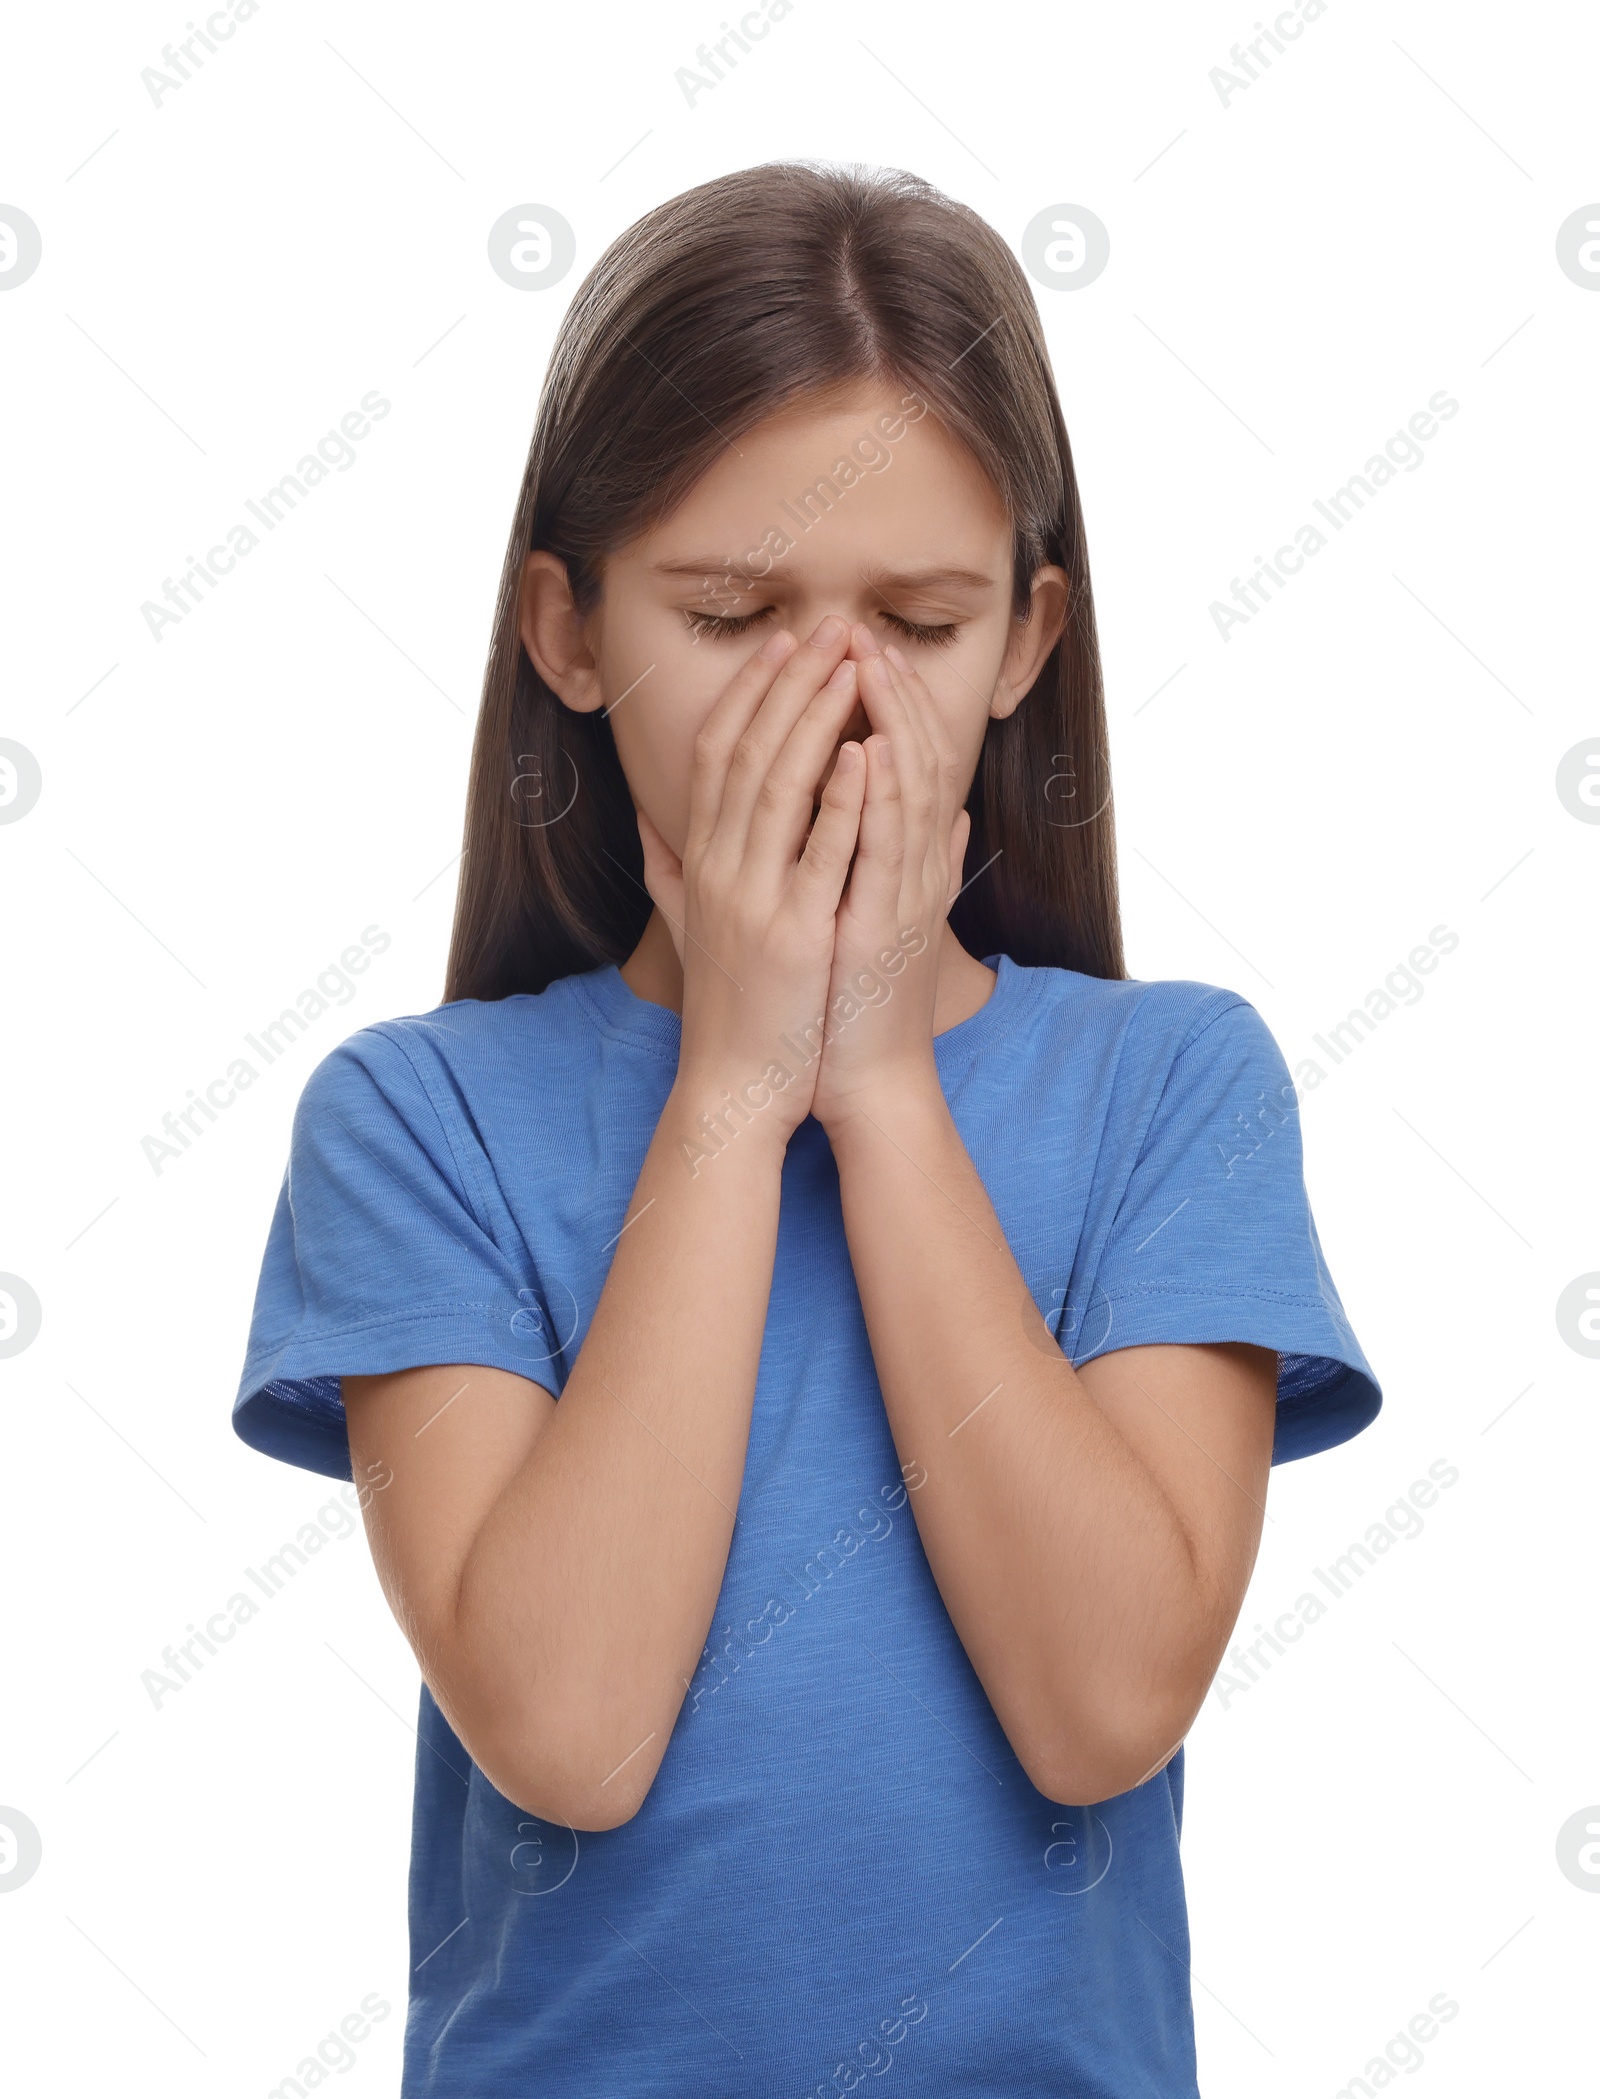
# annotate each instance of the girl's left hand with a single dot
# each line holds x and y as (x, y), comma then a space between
(891, 924)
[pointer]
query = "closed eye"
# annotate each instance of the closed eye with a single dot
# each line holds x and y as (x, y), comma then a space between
(721, 628)
(702, 623)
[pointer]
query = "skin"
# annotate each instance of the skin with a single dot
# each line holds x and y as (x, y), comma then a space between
(799, 783)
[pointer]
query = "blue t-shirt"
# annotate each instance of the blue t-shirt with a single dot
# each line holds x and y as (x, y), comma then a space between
(841, 1869)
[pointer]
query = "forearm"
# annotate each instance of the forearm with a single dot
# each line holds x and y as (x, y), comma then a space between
(591, 1584)
(1064, 1567)
(603, 1561)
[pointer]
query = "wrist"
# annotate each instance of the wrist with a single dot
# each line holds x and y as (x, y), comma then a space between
(903, 1101)
(710, 1111)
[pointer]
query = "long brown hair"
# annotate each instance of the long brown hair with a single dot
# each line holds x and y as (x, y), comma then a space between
(709, 314)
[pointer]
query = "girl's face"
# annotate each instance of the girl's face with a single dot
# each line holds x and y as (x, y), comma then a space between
(863, 507)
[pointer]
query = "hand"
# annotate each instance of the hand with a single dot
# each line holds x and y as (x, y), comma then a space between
(753, 901)
(907, 873)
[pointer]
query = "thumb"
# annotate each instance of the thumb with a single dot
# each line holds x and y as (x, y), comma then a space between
(663, 878)
(960, 835)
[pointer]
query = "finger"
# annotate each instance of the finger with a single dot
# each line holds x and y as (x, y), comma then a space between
(944, 759)
(787, 797)
(889, 710)
(735, 708)
(880, 855)
(926, 720)
(798, 683)
(929, 721)
(819, 876)
(960, 838)
(896, 685)
(663, 877)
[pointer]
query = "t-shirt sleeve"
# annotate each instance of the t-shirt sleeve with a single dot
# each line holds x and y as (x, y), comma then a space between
(1213, 1237)
(380, 1257)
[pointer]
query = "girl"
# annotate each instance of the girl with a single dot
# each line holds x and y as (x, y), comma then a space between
(809, 1332)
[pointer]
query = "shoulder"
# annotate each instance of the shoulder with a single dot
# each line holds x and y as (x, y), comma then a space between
(448, 1079)
(1147, 1025)
(1141, 1061)
(436, 1054)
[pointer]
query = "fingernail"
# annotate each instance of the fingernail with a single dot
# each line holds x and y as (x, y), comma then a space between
(843, 676)
(849, 754)
(776, 646)
(886, 752)
(828, 632)
(895, 657)
(864, 638)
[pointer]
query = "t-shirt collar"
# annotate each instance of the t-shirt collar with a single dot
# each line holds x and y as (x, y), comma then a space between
(659, 1030)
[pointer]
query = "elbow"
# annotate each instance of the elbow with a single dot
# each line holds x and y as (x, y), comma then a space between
(554, 1749)
(562, 1784)
(582, 1809)
(1076, 1766)
(561, 1747)
(1090, 1782)
(582, 1812)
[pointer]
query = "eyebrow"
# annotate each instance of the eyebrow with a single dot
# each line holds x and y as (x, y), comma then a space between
(876, 579)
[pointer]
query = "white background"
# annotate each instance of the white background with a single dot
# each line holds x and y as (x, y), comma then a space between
(1292, 275)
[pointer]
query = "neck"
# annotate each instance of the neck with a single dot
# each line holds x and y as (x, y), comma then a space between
(653, 972)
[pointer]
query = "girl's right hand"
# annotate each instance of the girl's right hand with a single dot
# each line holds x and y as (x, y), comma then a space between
(753, 901)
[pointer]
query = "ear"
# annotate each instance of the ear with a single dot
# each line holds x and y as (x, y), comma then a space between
(1031, 640)
(552, 631)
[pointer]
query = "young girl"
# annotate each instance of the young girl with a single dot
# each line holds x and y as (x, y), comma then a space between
(809, 1332)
